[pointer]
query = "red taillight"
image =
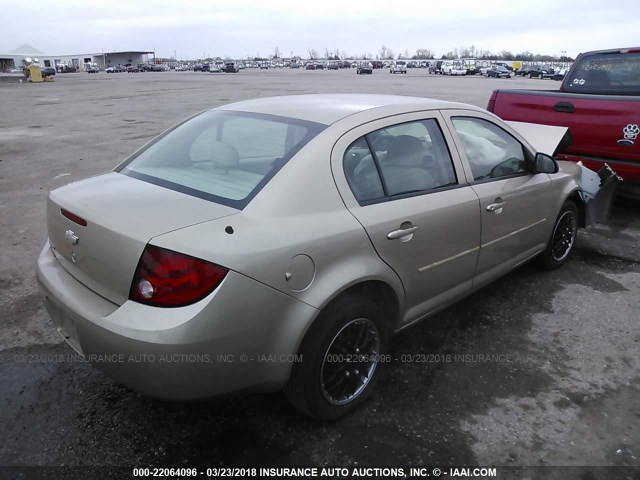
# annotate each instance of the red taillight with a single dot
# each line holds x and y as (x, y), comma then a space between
(491, 106)
(169, 279)
(73, 217)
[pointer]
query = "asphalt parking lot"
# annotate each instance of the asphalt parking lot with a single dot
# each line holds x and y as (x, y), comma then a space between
(538, 369)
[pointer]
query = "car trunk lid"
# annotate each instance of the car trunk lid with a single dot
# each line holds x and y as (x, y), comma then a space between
(99, 228)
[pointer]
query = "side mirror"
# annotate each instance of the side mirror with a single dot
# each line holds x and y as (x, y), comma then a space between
(545, 164)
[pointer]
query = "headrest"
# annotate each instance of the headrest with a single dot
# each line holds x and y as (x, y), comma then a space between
(224, 155)
(405, 150)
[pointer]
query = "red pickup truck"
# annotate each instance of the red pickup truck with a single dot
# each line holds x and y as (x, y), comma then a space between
(599, 101)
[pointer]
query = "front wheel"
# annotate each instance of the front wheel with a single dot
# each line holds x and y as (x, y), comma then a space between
(341, 354)
(563, 238)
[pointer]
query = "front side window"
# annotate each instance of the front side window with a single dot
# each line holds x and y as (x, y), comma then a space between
(491, 151)
(226, 157)
(400, 160)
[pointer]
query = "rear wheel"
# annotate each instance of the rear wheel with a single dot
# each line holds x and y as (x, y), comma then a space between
(340, 358)
(563, 238)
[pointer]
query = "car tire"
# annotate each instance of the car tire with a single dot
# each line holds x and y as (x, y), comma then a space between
(563, 238)
(327, 383)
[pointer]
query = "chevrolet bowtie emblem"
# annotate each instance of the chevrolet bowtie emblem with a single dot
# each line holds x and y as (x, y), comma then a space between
(71, 237)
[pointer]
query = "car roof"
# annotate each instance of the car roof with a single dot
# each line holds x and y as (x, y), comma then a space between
(330, 108)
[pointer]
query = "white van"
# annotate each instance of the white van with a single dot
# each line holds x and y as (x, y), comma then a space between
(398, 67)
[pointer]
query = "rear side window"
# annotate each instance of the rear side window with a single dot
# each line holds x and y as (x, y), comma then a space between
(401, 160)
(605, 73)
(226, 157)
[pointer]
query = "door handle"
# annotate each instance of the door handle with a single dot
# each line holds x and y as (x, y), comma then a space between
(496, 206)
(566, 107)
(401, 232)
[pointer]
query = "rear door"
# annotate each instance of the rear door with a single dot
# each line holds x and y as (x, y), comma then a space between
(399, 179)
(515, 204)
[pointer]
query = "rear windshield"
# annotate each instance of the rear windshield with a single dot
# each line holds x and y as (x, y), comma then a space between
(605, 73)
(222, 156)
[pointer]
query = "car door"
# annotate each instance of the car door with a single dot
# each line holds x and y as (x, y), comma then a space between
(516, 204)
(399, 179)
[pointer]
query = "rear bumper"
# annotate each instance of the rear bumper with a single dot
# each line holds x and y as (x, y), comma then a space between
(243, 336)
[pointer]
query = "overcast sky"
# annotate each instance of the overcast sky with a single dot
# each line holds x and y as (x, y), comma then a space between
(241, 28)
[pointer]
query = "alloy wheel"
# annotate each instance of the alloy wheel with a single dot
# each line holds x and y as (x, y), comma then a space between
(350, 361)
(564, 236)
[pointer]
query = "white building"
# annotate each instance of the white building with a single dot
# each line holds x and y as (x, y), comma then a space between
(14, 59)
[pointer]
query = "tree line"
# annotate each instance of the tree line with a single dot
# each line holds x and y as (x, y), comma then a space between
(386, 53)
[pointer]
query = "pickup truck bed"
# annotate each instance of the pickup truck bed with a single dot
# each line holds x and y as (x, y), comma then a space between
(603, 128)
(599, 102)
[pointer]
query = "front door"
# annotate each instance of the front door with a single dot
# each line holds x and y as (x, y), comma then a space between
(515, 203)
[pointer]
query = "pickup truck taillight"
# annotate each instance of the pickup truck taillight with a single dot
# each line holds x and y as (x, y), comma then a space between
(492, 102)
(165, 278)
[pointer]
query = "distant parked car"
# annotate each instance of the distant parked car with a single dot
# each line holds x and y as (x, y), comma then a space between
(133, 69)
(93, 69)
(537, 71)
(559, 75)
(453, 67)
(505, 65)
(364, 68)
(398, 67)
(498, 72)
(310, 66)
(47, 71)
(230, 67)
